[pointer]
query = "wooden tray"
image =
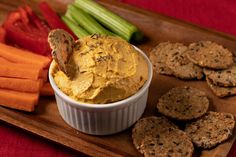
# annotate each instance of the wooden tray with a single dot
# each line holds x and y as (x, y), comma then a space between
(46, 121)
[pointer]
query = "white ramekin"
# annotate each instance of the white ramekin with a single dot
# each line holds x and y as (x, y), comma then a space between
(103, 119)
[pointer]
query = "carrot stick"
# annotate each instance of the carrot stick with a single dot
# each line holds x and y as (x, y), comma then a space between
(3, 60)
(23, 65)
(44, 75)
(19, 71)
(18, 100)
(22, 56)
(46, 90)
(23, 85)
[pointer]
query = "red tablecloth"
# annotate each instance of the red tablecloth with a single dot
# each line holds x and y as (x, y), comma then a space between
(215, 14)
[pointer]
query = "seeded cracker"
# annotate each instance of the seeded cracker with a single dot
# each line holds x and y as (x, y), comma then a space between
(221, 91)
(225, 78)
(158, 56)
(181, 66)
(211, 129)
(147, 127)
(171, 143)
(183, 103)
(210, 55)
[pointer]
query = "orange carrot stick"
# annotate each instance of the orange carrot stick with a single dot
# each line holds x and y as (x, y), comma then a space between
(46, 90)
(23, 85)
(22, 56)
(18, 100)
(3, 60)
(19, 71)
(44, 75)
(25, 65)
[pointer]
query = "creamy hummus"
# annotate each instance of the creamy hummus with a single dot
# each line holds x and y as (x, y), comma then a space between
(110, 69)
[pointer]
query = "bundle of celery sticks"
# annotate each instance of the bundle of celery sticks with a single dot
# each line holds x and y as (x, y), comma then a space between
(85, 17)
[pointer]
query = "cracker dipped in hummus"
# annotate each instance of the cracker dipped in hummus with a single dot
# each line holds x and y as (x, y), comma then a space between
(96, 69)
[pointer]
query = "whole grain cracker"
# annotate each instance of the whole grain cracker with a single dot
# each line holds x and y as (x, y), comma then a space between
(172, 142)
(210, 55)
(183, 103)
(211, 129)
(147, 127)
(221, 91)
(225, 78)
(159, 54)
(181, 66)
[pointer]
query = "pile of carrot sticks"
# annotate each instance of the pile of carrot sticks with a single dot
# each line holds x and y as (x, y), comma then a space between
(23, 78)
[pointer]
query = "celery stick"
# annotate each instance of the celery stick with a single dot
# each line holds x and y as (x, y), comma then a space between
(68, 15)
(86, 21)
(112, 21)
(79, 32)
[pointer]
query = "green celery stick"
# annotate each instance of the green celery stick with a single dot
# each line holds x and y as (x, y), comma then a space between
(68, 15)
(86, 21)
(79, 32)
(112, 21)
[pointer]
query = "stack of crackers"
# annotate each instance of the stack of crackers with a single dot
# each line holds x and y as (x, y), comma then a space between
(203, 59)
(160, 137)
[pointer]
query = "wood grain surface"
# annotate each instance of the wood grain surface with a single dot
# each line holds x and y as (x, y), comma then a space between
(46, 121)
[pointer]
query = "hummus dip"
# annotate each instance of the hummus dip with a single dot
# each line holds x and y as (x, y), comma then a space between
(110, 69)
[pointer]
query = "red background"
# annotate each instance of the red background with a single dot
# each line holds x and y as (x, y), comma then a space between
(214, 14)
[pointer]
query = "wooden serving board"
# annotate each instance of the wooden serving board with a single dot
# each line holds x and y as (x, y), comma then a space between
(46, 121)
